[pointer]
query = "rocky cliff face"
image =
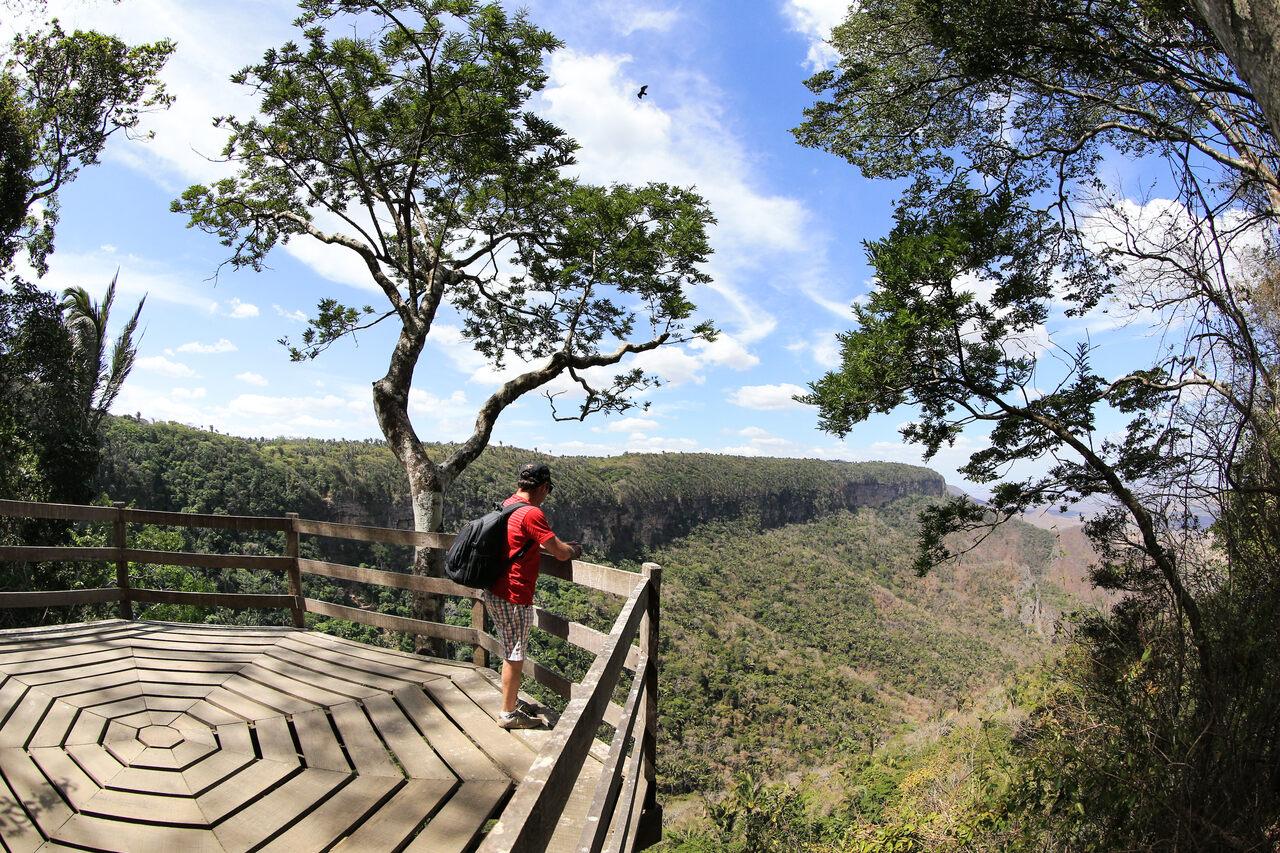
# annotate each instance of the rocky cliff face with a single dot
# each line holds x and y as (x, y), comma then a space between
(622, 524)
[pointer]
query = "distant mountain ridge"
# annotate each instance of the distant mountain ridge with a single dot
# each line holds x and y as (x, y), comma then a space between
(619, 506)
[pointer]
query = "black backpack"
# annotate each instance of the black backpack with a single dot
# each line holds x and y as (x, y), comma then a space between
(478, 555)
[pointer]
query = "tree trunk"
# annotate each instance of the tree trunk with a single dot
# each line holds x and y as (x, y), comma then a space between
(1248, 31)
(426, 486)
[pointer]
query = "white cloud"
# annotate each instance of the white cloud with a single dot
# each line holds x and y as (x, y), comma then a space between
(220, 346)
(251, 378)
(163, 366)
(767, 397)
(639, 19)
(189, 393)
(631, 425)
(725, 351)
(238, 310)
(296, 316)
(814, 19)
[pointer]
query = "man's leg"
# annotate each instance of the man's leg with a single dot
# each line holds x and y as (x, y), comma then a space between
(511, 670)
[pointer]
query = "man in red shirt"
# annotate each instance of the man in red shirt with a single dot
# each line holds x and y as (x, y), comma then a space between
(510, 599)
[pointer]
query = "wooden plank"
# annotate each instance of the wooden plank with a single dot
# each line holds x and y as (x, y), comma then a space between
(193, 729)
(387, 535)
(502, 746)
(188, 752)
(55, 726)
(71, 512)
(334, 818)
(195, 519)
(145, 808)
(59, 598)
(98, 833)
(413, 752)
(343, 663)
(125, 751)
(275, 739)
(22, 722)
(603, 578)
(88, 728)
(101, 765)
(207, 561)
(210, 599)
(77, 787)
(390, 826)
(235, 791)
(239, 694)
(394, 623)
(319, 742)
(530, 819)
(273, 665)
(91, 689)
(596, 827)
(211, 715)
(399, 580)
(235, 737)
(314, 687)
(587, 639)
(362, 744)
(465, 759)
(270, 813)
(455, 827)
(168, 703)
(112, 696)
(295, 574)
(143, 780)
(364, 651)
(76, 662)
(211, 771)
(48, 810)
(18, 834)
(76, 673)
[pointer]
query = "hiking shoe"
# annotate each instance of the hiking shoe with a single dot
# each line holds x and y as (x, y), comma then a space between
(518, 719)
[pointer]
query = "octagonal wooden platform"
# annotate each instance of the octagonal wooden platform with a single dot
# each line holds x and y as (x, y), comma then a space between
(146, 736)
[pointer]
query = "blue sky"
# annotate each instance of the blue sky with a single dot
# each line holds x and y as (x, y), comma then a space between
(725, 86)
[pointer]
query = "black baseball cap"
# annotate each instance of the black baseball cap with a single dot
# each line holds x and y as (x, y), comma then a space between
(534, 474)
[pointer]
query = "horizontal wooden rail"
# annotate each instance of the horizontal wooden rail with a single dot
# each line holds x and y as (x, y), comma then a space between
(34, 553)
(453, 633)
(211, 520)
(529, 819)
(587, 639)
(400, 580)
(603, 578)
(208, 561)
(67, 512)
(233, 600)
(59, 597)
(384, 535)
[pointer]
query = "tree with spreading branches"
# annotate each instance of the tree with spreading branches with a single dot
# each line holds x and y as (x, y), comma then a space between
(1002, 118)
(399, 131)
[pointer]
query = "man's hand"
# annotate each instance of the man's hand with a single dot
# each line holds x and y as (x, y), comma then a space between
(562, 550)
(576, 547)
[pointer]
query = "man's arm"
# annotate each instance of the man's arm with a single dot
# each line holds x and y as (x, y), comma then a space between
(562, 550)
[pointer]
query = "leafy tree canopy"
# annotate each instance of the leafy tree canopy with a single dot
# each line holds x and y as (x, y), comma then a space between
(399, 131)
(62, 96)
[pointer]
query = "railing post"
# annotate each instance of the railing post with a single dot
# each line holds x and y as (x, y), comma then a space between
(481, 656)
(120, 539)
(649, 827)
(295, 573)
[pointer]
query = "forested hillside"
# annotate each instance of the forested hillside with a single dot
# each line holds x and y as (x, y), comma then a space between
(618, 506)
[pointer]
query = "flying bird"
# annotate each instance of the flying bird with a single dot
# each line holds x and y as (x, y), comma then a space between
(644, 90)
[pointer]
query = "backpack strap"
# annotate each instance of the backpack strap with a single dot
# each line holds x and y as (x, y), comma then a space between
(509, 511)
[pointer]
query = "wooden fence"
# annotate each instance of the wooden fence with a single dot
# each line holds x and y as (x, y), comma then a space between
(624, 815)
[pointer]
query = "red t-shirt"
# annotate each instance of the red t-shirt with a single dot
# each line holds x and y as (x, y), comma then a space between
(525, 524)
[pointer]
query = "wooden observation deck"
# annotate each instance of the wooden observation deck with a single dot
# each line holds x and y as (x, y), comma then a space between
(157, 736)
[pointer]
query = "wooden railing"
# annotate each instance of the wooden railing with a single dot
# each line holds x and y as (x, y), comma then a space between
(624, 815)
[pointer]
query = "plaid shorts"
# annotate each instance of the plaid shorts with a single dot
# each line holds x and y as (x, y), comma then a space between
(512, 622)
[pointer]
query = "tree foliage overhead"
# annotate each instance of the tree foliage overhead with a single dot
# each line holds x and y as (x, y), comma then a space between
(1002, 118)
(62, 96)
(400, 132)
